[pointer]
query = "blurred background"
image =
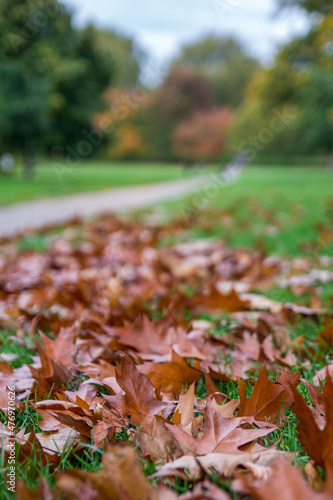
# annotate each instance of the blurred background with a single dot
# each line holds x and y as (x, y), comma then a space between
(110, 92)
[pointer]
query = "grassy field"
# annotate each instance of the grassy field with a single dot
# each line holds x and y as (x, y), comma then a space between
(89, 176)
(285, 211)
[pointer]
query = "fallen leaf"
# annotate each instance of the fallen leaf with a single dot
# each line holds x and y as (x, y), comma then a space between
(268, 400)
(224, 463)
(220, 435)
(285, 480)
(139, 400)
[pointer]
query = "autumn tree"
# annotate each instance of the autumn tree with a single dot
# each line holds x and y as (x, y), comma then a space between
(127, 143)
(183, 93)
(203, 137)
(299, 85)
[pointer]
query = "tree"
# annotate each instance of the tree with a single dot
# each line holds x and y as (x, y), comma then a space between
(224, 64)
(127, 143)
(182, 93)
(301, 82)
(126, 54)
(52, 77)
(322, 6)
(203, 137)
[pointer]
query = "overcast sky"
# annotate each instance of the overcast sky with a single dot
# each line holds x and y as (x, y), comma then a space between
(162, 27)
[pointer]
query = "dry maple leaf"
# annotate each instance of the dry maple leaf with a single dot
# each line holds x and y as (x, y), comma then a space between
(317, 397)
(321, 374)
(139, 399)
(63, 349)
(64, 414)
(29, 447)
(184, 412)
(170, 378)
(205, 491)
(226, 410)
(224, 463)
(148, 336)
(286, 482)
(220, 435)
(120, 473)
(268, 399)
(317, 443)
(217, 301)
(60, 441)
(42, 491)
(159, 443)
(325, 336)
(184, 415)
(51, 376)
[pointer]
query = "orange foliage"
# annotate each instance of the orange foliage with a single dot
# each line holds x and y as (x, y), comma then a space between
(203, 137)
(127, 143)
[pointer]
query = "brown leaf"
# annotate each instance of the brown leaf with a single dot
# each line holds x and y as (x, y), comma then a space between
(286, 481)
(139, 399)
(159, 443)
(205, 491)
(325, 335)
(42, 492)
(220, 435)
(224, 463)
(268, 399)
(63, 348)
(317, 443)
(170, 378)
(184, 412)
(120, 473)
(216, 301)
(226, 410)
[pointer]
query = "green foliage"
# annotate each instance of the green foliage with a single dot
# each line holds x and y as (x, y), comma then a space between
(126, 54)
(225, 65)
(52, 76)
(321, 6)
(300, 85)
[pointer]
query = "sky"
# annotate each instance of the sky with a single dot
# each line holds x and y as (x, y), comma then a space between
(162, 27)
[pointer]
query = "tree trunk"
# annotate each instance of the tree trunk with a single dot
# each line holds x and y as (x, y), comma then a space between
(29, 158)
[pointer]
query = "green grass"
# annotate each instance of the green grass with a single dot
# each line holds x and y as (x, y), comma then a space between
(278, 210)
(88, 176)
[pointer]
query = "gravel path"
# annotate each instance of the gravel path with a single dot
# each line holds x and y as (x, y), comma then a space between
(34, 214)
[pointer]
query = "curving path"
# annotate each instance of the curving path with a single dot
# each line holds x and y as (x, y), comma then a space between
(34, 214)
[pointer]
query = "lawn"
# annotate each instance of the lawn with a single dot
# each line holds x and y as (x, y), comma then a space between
(124, 322)
(88, 176)
(285, 211)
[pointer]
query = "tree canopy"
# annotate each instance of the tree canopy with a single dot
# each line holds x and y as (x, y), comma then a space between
(126, 54)
(183, 93)
(52, 75)
(301, 82)
(322, 6)
(225, 65)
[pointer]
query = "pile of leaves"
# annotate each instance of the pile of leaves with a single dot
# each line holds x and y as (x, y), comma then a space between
(149, 371)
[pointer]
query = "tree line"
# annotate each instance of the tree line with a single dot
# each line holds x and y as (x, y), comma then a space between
(69, 92)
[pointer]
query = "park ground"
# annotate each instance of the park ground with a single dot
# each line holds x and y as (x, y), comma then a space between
(281, 213)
